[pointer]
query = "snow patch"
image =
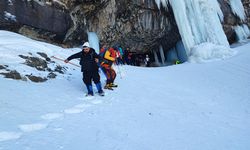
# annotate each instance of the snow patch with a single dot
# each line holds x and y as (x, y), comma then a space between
(9, 16)
(5, 136)
(208, 52)
(32, 127)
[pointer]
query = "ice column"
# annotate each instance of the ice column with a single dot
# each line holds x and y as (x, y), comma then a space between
(242, 32)
(156, 57)
(94, 41)
(162, 54)
(238, 9)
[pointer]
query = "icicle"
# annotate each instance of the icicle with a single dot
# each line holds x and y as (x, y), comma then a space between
(242, 32)
(163, 2)
(216, 6)
(179, 9)
(156, 58)
(181, 52)
(246, 29)
(238, 9)
(162, 54)
(158, 3)
(172, 55)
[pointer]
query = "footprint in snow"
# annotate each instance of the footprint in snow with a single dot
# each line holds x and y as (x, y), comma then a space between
(76, 109)
(52, 116)
(32, 127)
(96, 102)
(6, 136)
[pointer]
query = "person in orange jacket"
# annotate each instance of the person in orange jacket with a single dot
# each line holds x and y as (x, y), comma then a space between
(108, 59)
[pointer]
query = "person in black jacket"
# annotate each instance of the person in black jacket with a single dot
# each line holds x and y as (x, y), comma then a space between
(88, 61)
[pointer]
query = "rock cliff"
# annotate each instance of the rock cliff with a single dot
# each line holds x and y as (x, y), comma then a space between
(137, 24)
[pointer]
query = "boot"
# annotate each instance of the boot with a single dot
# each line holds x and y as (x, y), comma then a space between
(90, 90)
(107, 86)
(99, 88)
(113, 85)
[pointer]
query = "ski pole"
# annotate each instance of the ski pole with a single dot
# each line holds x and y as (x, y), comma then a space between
(63, 61)
(119, 70)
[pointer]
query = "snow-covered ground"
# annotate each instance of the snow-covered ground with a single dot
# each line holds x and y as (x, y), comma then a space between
(192, 106)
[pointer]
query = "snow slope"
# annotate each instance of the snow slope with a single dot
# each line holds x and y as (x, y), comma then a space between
(192, 106)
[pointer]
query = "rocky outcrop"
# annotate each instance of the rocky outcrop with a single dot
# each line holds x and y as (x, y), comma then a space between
(42, 18)
(41, 64)
(137, 24)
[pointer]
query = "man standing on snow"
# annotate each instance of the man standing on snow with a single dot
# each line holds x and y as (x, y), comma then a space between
(89, 67)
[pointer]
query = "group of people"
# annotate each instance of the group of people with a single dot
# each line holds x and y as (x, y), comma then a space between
(90, 62)
(135, 59)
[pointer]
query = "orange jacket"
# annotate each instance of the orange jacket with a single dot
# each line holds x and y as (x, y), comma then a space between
(110, 55)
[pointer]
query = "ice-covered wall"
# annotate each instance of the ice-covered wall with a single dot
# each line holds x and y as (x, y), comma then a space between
(198, 21)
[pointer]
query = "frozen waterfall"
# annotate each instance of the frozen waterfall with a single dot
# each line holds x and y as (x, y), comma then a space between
(94, 41)
(198, 21)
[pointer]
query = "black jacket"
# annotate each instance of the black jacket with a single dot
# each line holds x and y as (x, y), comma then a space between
(87, 60)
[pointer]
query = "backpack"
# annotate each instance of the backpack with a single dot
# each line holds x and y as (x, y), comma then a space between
(102, 59)
(102, 54)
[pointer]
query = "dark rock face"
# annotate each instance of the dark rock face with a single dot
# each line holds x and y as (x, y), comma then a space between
(36, 15)
(137, 24)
